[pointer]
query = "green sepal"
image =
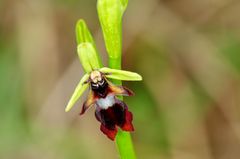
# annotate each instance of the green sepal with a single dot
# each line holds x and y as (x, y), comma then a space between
(81, 87)
(120, 74)
(88, 57)
(83, 35)
(110, 14)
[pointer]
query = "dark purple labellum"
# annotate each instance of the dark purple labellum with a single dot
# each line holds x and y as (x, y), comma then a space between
(110, 111)
(116, 115)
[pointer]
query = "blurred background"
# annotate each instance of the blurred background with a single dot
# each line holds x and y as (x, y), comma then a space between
(187, 106)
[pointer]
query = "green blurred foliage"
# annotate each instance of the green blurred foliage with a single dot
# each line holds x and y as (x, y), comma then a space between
(13, 113)
(230, 48)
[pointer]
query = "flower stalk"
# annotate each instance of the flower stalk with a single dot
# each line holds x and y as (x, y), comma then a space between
(110, 13)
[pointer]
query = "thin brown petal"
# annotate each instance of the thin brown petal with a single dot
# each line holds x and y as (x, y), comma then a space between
(90, 101)
(120, 90)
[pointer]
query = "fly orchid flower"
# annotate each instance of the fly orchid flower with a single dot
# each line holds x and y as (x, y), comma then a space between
(109, 110)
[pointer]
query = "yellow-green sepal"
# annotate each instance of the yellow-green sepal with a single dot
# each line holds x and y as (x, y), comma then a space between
(88, 57)
(87, 51)
(81, 87)
(120, 74)
(82, 33)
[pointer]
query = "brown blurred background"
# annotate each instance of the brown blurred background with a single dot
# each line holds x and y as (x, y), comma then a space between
(187, 106)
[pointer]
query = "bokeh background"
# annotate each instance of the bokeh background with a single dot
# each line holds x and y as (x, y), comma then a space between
(187, 106)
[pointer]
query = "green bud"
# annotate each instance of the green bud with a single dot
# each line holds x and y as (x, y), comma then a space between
(88, 57)
(110, 13)
(121, 74)
(81, 87)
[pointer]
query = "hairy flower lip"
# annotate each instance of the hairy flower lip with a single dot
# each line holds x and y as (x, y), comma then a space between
(113, 117)
(110, 111)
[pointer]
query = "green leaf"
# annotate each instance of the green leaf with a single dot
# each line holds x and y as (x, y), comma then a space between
(88, 57)
(81, 87)
(121, 74)
(83, 35)
(110, 14)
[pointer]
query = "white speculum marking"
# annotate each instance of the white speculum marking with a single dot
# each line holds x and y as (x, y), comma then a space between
(106, 102)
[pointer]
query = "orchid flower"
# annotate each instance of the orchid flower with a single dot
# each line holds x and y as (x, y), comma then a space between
(109, 110)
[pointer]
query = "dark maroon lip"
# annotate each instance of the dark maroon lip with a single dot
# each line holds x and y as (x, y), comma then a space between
(115, 115)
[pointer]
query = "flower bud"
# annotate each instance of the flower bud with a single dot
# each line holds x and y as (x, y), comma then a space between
(110, 14)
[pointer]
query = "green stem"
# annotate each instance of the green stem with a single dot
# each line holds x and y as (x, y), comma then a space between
(123, 139)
